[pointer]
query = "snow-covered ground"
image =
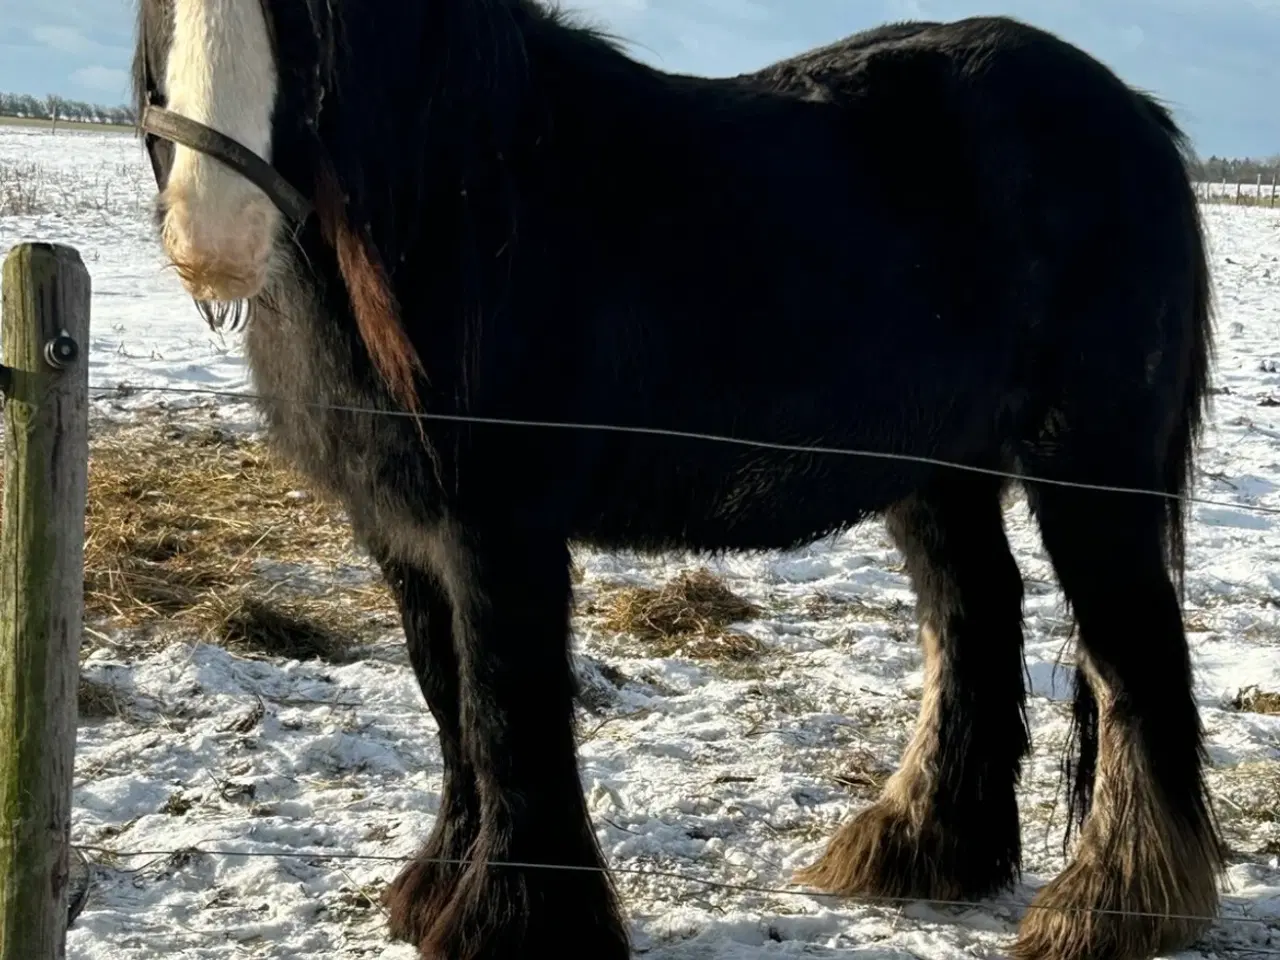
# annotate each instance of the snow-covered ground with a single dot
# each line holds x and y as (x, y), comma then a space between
(722, 773)
(1266, 191)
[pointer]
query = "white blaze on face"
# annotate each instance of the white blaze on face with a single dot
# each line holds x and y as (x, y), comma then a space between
(219, 229)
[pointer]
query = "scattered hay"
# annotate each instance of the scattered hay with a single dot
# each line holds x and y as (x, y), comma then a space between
(823, 605)
(745, 671)
(178, 805)
(1253, 699)
(1246, 797)
(356, 900)
(690, 616)
(98, 701)
(862, 774)
(692, 603)
(177, 520)
(726, 647)
(286, 627)
(361, 899)
(1196, 622)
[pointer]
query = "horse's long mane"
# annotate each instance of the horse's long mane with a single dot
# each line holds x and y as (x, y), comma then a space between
(429, 110)
(423, 108)
(420, 101)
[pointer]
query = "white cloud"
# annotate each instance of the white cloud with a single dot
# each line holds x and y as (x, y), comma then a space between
(1131, 38)
(64, 39)
(104, 79)
(738, 9)
(907, 10)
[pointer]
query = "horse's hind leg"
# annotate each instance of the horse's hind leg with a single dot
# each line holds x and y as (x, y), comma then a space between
(424, 887)
(1147, 845)
(946, 824)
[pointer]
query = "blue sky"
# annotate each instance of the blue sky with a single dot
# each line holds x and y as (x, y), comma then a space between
(1214, 61)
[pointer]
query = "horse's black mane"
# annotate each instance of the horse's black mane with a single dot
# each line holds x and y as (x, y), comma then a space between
(424, 90)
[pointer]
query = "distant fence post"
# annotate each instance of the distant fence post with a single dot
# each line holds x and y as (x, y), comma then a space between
(46, 418)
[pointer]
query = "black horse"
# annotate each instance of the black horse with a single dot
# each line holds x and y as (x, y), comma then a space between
(900, 242)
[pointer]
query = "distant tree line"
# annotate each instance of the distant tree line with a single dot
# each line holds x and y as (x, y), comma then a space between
(1213, 170)
(47, 108)
(1217, 169)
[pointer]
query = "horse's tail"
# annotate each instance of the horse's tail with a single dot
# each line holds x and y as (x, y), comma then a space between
(1195, 340)
(1198, 319)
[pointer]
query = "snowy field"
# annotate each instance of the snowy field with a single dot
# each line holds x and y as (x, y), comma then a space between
(1266, 193)
(726, 772)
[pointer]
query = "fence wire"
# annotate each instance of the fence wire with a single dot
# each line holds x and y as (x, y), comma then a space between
(124, 389)
(863, 899)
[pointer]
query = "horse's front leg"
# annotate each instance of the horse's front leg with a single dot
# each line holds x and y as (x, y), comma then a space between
(511, 600)
(424, 888)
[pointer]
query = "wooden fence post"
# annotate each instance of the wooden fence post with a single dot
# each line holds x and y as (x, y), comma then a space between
(46, 338)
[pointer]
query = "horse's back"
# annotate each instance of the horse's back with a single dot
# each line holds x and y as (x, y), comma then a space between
(879, 242)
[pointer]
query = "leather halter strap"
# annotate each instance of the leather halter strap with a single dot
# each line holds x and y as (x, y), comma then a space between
(157, 122)
(189, 133)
